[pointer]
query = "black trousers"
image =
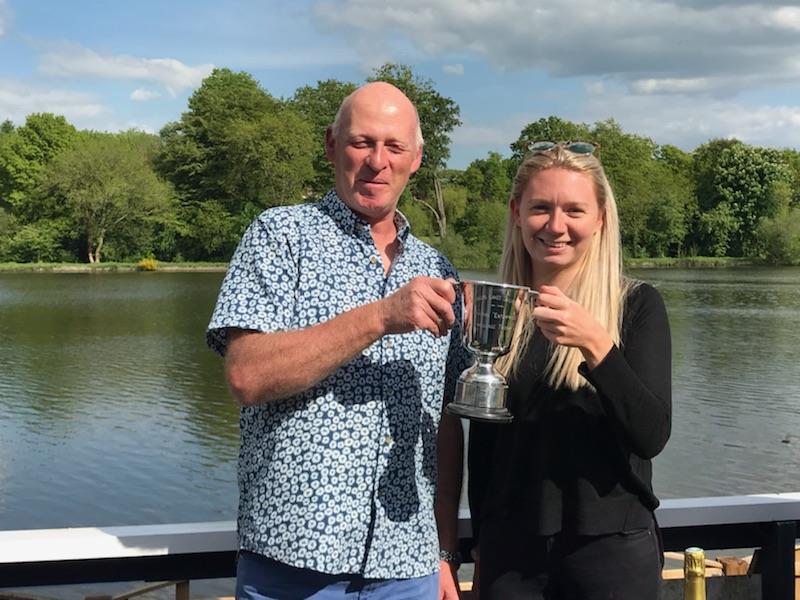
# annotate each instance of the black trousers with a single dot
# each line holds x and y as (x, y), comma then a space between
(619, 566)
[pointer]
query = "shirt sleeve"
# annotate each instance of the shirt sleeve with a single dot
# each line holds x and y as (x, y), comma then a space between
(634, 383)
(259, 290)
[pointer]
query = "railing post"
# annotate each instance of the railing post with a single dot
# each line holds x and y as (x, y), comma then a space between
(777, 564)
(182, 590)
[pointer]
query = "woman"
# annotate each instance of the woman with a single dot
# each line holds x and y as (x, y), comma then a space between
(561, 499)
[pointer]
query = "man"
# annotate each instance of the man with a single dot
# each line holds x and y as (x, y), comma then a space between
(335, 323)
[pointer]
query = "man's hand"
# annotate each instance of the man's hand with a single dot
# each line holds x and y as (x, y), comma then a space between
(448, 581)
(423, 303)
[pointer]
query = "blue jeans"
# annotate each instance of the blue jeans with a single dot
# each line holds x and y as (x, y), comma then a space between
(261, 578)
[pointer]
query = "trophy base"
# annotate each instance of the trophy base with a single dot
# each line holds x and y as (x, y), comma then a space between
(480, 398)
(480, 413)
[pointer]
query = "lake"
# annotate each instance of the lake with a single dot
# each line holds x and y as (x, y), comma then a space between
(114, 412)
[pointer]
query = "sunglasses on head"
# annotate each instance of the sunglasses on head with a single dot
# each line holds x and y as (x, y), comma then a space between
(574, 147)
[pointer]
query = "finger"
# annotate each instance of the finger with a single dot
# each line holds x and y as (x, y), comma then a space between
(546, 314)
(442, 308)
(444, 288)
(429, 318)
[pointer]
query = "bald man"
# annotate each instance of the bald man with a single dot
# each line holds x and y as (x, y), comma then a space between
(340, 336)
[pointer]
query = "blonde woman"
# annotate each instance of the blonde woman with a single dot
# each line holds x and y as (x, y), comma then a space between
(562, 500)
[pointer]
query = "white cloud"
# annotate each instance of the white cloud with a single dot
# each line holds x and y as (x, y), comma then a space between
(456, 69)
(672, 86)
(19, 100)
(686, 123)
(143, 95)
(658, 47)
(71, 60)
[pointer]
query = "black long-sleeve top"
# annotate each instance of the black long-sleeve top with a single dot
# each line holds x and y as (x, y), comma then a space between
(579, 461)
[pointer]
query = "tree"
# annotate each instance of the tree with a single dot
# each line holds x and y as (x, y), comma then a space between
(438, 116)
(319, 105)
(750, 183)
(781, 237)
(106, 184)
(488, 179)
(237, 149)
(25, 152)
(6, 126)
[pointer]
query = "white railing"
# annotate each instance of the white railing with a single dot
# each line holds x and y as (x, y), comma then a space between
(187, 551)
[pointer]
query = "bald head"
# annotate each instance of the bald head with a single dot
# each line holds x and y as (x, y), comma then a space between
(379, 95)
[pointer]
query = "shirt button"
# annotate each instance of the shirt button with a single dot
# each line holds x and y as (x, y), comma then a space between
(372, 260)
(389, 343)
(388, 440)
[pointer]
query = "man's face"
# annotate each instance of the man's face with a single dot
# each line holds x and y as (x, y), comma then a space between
(375, 152)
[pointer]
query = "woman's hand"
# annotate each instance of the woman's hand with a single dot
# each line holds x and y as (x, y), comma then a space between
(563, 321)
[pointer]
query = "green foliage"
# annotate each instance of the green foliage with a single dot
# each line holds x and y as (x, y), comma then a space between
(482, 228)
(235, 152)
(24, 154)
(319, 105)
(106, 185)
(455, 201)
(67, 195)
(716, 227)
(781, 238)
(438, 117)
(209, 231)
(463, 255)
(488, 179)
(422, 221)
(39, 242)
(791, 159)
(753, 182)
(704, 167)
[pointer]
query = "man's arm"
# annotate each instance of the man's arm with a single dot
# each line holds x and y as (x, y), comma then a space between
(262, 367)
(450, 452)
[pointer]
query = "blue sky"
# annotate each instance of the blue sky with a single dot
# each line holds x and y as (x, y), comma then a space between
(677, 71)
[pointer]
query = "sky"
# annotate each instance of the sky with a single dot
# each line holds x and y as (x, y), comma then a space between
(680, 72)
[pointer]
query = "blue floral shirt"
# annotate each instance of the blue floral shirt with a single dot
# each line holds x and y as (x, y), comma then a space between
(340, 478)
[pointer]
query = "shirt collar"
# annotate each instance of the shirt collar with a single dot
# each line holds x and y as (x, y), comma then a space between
(350, 222)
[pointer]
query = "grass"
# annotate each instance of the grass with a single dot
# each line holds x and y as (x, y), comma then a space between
(108, 267)
(688, 262)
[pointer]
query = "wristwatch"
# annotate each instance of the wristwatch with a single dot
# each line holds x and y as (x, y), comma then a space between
(454, 558)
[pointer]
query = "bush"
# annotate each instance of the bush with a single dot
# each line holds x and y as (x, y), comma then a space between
(780, 238)
(148, 264)
(34, 243)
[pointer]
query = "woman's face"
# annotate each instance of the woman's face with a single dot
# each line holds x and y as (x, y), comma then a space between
(558, 214)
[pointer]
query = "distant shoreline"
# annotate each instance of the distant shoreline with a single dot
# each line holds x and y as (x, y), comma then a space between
(111, 268)
(695, 262)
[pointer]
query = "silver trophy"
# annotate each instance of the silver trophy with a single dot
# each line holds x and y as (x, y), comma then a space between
(489, 318)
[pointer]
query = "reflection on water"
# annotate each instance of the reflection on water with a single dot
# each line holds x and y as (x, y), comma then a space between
(113, 412)
(736, 383)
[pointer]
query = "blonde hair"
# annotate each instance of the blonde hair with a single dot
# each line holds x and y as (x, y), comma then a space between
(599, 285)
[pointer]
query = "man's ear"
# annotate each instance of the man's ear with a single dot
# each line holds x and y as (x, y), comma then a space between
(417, 160)
(330, 144)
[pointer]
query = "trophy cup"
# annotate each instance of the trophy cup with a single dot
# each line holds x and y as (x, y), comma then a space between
(488, 319)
